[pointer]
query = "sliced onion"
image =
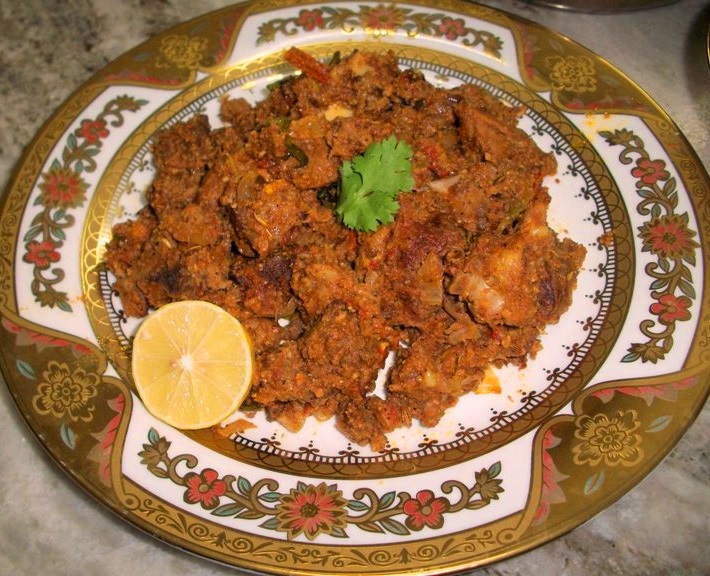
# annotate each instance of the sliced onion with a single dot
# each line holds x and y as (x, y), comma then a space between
(474, 288)
(443, 184)
(337, 110)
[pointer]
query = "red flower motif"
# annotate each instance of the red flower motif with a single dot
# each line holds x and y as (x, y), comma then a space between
(671, 308)
(92, 130)
(309, 20)
(451, 28)
(62, 188)
(41, 254)
(650, 171)
(311, 510)
(381, 17)
(425, 510)
(668, 237)
(204, 488)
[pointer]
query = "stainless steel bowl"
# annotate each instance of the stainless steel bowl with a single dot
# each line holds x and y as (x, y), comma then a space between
(601, 6)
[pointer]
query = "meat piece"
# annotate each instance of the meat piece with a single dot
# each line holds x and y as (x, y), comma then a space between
(180, 155)
(341, 359)
(315, 168)
(195, 226)
(265, 213)
(266, 285)
(240, 115)
(429, 388)
(128, 240)
(523, 279)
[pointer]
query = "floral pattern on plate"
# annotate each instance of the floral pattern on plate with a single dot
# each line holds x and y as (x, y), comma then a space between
(614, 389)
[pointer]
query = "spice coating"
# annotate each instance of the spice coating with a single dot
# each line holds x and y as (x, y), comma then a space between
(465, 277)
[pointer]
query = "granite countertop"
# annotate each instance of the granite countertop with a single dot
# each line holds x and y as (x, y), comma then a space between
(49, 526)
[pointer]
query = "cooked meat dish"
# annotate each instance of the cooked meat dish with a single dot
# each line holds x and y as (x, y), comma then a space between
(465, 278)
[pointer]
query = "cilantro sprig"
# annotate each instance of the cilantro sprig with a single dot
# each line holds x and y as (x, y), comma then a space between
(370, 184)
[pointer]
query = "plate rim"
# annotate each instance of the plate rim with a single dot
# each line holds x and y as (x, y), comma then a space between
(51, 124)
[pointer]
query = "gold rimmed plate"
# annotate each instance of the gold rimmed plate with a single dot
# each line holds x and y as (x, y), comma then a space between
(616, 384)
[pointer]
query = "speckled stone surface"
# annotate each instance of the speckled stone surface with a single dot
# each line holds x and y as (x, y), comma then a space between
(49, 526)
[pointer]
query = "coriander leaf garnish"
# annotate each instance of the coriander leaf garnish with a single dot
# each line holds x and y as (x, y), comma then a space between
(370, 183)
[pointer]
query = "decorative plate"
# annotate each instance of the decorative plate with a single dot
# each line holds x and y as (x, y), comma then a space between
(618, 380)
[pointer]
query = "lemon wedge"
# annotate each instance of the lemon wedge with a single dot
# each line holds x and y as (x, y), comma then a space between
(192, 364)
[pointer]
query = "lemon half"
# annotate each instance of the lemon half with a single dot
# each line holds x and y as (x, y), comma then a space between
(192, 364)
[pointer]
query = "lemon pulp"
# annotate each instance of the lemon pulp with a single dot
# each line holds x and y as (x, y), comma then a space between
(192, 364)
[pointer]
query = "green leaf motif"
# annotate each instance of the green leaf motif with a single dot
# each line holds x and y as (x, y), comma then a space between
(270, 524)
(32, 233)
(371, 527)
(632, 357)
(68, 436)
(250, 515)
(57, 234)
(387, 499)
(495, 469)
(593, 483)
(659, 284)
(228, 510)
(243, 485)
(338, 532)
(270, 497)
(153, 436)
(25, 368)
(394, 527)
(687, 289)
(357, 506)
(660, 423)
